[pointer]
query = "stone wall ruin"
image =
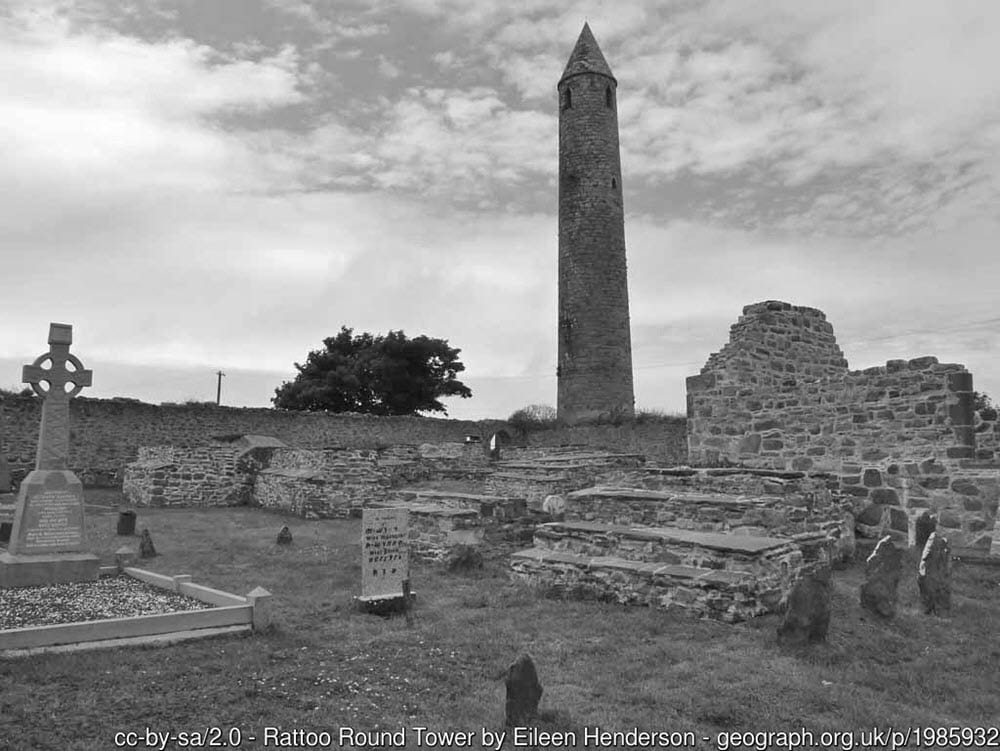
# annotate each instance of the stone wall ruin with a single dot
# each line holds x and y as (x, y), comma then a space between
(315, 483)
(902, 438)
(105, 433)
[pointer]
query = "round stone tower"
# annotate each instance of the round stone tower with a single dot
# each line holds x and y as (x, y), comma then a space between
(595, 345)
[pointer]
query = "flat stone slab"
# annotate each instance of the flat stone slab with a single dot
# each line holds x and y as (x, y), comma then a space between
(714, 540)
(445, 495)
(640, 568)
(639, 494)
(569, 456)
(431, 509)
(299, 474)
(783, 474)
(528, 476)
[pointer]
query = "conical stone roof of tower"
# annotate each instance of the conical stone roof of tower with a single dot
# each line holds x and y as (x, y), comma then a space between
(586, 57)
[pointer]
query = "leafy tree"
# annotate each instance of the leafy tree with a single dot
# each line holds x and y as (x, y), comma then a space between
(984, 405)
(378, 375)
(14, 392)
(533, 417)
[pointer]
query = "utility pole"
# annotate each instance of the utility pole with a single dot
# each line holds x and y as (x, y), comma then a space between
(218, 389)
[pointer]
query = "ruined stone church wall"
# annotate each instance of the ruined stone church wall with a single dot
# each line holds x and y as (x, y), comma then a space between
(106, 433)
(901, 437)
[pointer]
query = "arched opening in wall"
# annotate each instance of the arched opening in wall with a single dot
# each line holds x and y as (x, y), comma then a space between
(609, 98)
(567, 102)
(502, 438)
(614, 183)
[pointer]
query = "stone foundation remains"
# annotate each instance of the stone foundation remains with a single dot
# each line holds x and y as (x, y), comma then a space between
(105, 433)
(312, 483)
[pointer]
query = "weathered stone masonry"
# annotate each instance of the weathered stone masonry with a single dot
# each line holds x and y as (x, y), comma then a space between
(105, 433)
(595, 350)
(902, 437)
(261, 471)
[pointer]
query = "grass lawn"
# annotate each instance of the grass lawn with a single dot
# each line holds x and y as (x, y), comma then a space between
(325, 666)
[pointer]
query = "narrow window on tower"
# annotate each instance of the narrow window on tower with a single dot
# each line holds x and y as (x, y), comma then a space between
(567, 99)
(609, 98)
(614, 183)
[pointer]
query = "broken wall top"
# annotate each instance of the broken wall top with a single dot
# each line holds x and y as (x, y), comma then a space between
(774, 340)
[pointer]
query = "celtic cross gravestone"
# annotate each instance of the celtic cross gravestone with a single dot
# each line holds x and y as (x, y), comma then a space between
(48, 540)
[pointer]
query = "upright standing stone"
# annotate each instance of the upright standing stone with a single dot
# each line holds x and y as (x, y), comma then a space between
(807, 610)
(924, 528)
(594, 372)
(883, 570)
(934, 575)
(146, 547)
(48, 543)
(523, 692)
(385, 559)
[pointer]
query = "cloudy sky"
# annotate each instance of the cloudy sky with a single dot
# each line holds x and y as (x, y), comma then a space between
(199, 185)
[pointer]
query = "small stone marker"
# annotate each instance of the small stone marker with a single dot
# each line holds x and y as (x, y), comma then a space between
(284, 536)
(807, 610)
(385, 559)
(47, 543)
(463, 558)
(523, 692)
(883, 570)
(126, 523)
(146, 549)
(934, 575)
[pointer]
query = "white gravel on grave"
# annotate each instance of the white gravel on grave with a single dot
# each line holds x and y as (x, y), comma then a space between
(113, 597)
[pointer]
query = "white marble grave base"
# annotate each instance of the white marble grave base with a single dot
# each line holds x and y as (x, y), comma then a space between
(50, 568)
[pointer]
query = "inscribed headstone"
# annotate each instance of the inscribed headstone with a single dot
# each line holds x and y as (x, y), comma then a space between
(47, 543)
(385, 552)
(49, 515)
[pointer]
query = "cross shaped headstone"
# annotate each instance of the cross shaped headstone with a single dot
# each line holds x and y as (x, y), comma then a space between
(53, 437)
(48, 540)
